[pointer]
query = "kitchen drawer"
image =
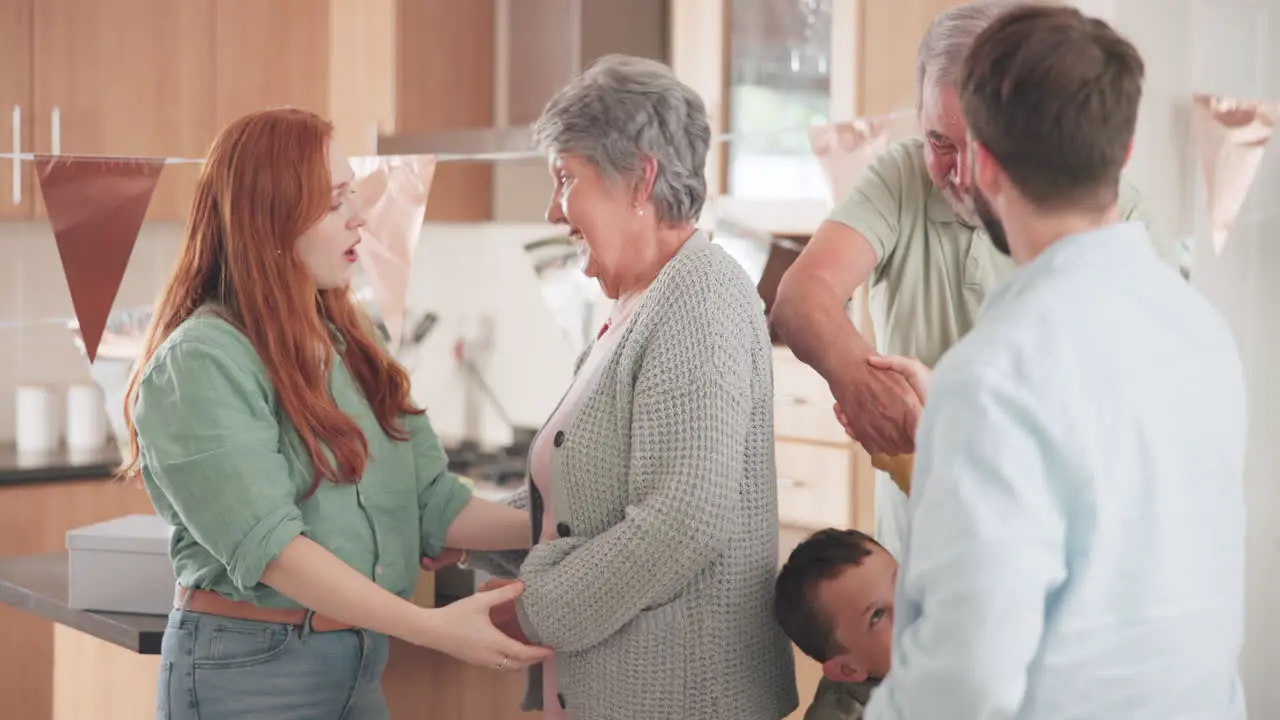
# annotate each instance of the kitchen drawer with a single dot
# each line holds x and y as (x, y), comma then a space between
(802, 402)
(815, 485)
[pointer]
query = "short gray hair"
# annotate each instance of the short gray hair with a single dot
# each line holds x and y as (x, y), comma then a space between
(949, 37)
(623, 110)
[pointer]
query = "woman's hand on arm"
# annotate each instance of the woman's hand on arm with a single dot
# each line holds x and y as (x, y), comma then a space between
(210, 445)
(315, 578)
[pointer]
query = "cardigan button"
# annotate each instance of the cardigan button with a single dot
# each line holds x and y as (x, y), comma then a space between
(559, 438)
(563, 530)
(563, 704)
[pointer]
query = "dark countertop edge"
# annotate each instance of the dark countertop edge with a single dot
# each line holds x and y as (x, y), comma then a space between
(14, 477)
(58, 466)
(137, 633)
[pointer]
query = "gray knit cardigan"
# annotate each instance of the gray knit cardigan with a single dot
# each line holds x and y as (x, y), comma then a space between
(657, 593)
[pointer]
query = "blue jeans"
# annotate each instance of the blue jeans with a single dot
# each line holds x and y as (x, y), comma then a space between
(216, 668)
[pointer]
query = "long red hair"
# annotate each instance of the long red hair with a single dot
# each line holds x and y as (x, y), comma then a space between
(265, 182)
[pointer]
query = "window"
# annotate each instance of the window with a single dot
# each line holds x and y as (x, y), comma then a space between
(768, 69)
(779, 84)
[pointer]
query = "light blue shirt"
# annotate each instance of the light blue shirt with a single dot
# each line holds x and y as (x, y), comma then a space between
(1076, 541)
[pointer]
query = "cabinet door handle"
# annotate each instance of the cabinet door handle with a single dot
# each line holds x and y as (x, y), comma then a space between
(790, 483)
(17, 155)
(55, 131)
(792, 400)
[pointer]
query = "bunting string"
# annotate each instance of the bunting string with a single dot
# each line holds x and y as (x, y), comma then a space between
(388, 277)
(1245, 223)
(502, 156)
(110, 165)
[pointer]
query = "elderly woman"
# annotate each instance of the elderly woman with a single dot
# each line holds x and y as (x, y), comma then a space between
(652, 486)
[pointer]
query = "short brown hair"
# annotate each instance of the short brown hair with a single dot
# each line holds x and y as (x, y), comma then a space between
(821, 557)
(1053, 95)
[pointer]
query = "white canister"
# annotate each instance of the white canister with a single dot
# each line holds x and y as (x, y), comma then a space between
(37, 425)
(86, 418)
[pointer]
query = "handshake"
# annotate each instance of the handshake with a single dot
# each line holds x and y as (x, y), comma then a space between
(886, 401)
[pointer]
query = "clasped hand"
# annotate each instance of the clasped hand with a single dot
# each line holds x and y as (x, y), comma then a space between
(885, 402)
(495, 602)
(503, 614)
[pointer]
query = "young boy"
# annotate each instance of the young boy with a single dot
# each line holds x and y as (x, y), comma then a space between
(834, 599)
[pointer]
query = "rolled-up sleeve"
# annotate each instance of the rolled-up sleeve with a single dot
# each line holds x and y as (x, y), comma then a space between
(441, 494)
(874, 205)
(209, 445)
(689, 421)
(987, 551)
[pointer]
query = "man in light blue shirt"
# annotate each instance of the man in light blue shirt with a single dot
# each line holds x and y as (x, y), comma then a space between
(1076, 544)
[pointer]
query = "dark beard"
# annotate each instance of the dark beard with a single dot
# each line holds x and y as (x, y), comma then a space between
(995, 228)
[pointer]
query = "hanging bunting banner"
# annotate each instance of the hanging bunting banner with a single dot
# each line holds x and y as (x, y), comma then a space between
(846, 149)
(393, 191)
(1231, 138)
(96, 207)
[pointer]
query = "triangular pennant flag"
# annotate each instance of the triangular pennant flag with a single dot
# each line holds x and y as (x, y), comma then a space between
(393, 190)
(1231, 137)
(96, 207)
(846, 149)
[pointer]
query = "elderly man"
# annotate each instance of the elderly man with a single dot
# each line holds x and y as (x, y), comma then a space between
(1077, 529)
(910, 229)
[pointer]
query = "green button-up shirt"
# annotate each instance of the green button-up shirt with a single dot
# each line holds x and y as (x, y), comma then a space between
(223, 465)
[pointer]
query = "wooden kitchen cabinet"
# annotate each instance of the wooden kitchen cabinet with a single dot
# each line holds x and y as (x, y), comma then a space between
(160, 78)
(127, 77)
(15, 94)
(824, 478)
(371, 66)
(270, 54)
(444, 80)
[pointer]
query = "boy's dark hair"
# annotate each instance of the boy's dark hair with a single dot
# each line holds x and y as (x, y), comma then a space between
(822, 556)
(1053, 95)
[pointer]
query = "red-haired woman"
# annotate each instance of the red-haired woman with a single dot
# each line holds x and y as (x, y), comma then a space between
(279, 439)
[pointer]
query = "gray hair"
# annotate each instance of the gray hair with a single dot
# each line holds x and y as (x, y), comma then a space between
(949, 37)
(623, 110)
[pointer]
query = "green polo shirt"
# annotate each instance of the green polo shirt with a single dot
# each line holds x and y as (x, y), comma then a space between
(224, 466)
(932, 271)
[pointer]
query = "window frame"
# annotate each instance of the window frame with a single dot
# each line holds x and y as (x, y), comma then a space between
(701, 56)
